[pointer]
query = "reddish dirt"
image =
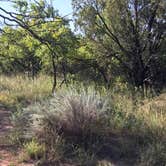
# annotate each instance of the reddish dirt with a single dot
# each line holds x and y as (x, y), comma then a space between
(8, 153)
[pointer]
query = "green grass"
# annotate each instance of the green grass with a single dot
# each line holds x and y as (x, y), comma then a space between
(34, 150)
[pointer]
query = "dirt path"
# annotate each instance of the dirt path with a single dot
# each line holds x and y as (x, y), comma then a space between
(5, 149)
(8, 153)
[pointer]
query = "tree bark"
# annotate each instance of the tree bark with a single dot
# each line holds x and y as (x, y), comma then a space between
(54, 74)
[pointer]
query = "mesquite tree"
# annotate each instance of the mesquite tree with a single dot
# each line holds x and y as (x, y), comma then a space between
(127, 33)
(42, 22)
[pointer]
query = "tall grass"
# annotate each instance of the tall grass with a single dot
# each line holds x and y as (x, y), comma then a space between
(84, 126)
(21, 90)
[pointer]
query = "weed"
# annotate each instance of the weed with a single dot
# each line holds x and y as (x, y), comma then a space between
(34, 149)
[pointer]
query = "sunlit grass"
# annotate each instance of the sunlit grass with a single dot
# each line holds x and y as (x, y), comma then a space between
(18, 90)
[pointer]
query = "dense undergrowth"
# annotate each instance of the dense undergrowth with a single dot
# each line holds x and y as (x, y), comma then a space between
(85, 126)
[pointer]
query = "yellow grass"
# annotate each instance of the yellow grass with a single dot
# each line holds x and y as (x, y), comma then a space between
(15, 90)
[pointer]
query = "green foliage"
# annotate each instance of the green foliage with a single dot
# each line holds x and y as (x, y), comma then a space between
(122, 39)
(34, 149)
(100, 53)
(19, 53)
(48, 41)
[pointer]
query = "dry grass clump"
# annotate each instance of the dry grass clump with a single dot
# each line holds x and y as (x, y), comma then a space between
(70, 124)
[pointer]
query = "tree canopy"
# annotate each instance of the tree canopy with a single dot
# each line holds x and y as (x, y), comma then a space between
(115, 39)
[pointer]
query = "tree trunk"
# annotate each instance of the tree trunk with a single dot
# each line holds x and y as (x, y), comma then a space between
(54, 74)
